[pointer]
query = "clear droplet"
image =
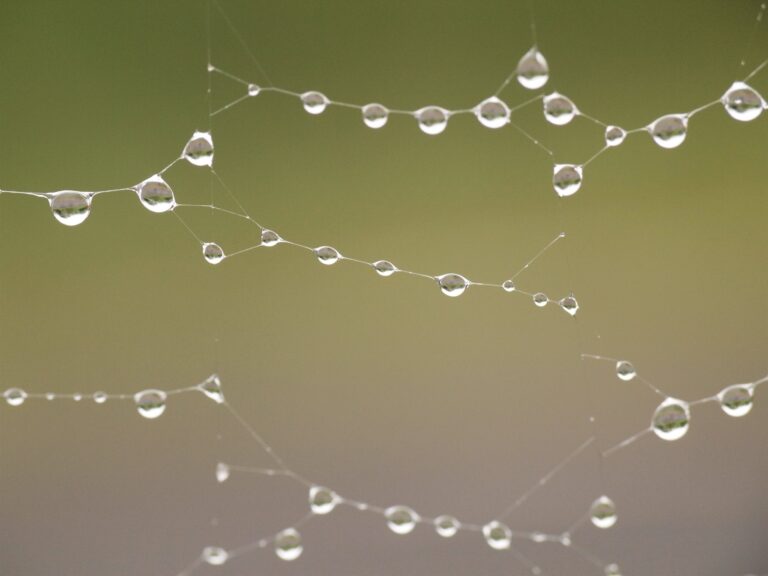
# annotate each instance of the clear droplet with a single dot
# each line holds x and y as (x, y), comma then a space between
(497, 535)
(742, 102)
(559, 109)
(222, 472)
(671, 419)
(69, 207)
(384, 268)
(446, 526)
(150, 403)
(603, 512)
(314, 102)
(156, 195)
(401, 519)
(669, 131)
(432, 119)
(569, 304)
(214, 555)
(614, 136)
(100, 397)
(625, 370)
(211, 387)
(15, 396)
(327, 255)
(212, 253)
(492, 113)
(736, 400)
(612, 570)
(532, 70)
(567, 179)
(254, 89)
(322, 500)
(288, 544)
(375, 115)
(540, 299)
(452, 285)
(199, 149)
(509, 286)
(270, 238)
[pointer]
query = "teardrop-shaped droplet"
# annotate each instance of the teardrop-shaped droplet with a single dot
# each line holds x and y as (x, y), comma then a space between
(540, 299)
(532, 70)
(497, 535)
(384, 268)
(432, 119)
(559, 109)
(322, 500)
(614, 135)
(100, 397)
(15, 396)
(211, 387)
(570, 305)
(156, 195)
(625, 370)
(222, 472)
(270, 238)
(567, 179)
(671, 419)
(199, 149)
(327, 255)
(314, 102)
(150, 403)
(742, 102)
(509, 286)
(492, 113)
(612, 570)
(452, 285)
(254, 89)
(736, 400)
(669, 131)
(212, 253)
(288, 544)
(401, 519)
(69, 207)
(214, 555)
(375, 115)
(446, 526)
(603, 512)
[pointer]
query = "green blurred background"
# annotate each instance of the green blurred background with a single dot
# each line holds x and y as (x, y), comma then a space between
(380, 388)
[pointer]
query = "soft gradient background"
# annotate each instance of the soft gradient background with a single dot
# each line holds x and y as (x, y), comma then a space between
(380, 388)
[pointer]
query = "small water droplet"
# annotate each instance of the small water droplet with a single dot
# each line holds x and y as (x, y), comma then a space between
(559, 109)
(222, 472)
(50, 396)
(566, 179)
(401, 519)
(375, 115)
(742, 102)
(211, 387)
(669, 131)
(314, 102)
(156, 195)
(532, 70)
(603, 512)
(540, 299)
(327, 255)
(614, 135)
(452, 285)
(384, 268)
(214, 555)
(625, 370)
(538, 537)
(509, 286)
(322, 500)
(15, 396)
(254, 89)
(288, 544)
(446, 526)
(270, 238)
(565, 539)
(100, 397)
(432, 119)
(671, 419)
(612, 570)
(569, 304)
(199, 149)
(212, 253)
(69, 207)
(492, 113)
(150, 403)
(736, 400)
(77, 397)
(497, 535)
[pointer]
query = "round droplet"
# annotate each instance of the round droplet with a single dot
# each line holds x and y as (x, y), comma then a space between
(570, 305)
(254, 89)
(625, 370)
(742, 102)
(671, 419)
(559, 109)
(211, 387)
(532, 70)
(384, 268)
(15, 396)
(156, 195)
(314, 102)
(288, 544)
(327, 255)
(612, 570)
(736, 400)
(322, 500)
(150, 403)
(509, 286)
(540, 299)
(567, 179)
(100, 397)
(214, 555)
(401, 519)
(614, 136)
(603, 512)
(446, 526)
(492, 113)
(375, 115)
(270, 238)
(669, 131)
(199, 149)
(222, 472)
(452, 285)
(69, 207)
(497, 535)
(212, 253)
(432, 119)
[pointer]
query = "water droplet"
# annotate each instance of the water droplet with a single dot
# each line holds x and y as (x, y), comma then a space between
(432, 119)
(742, 102)
(15, 396)
(532, 70)
(322, 500)
(625, 370)
(254, 89)
(100, 397)
(212, 253)
(69, 207)
(156, 195)
(671, 419)
(211, 387)
(669, 131)
(384, 268)
(199, 149)
(222, 472)
(567, 179)
(540, 299)
(569, 304)
(327, 255)
(288, 544)
(77, 397)
(270, 238)
(492, 113)
(612, 570)
(214, 555)
(452, 285)
(509, 286)
(603, 512)
(50, 396)
(446, 526)
(150, 403)
(375, 115)
(559, 109)
(497, 535)
(614, 136)
(314, 102)
(538, 537)
(401, 519)
(565, 539)
(736, 400)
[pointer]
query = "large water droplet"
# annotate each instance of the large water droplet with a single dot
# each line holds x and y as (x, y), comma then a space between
(375, 115)
(314, 102)
(199, 149)
(559, 109)
(742, 102)
(432, 119)
(15, 396)
(211, 387)
(100, 397)
(669, 131)
(270, 238)
(492, 113)
(671, 419)
(603, 512)
(446, 526)
(288, 544)
(254, 89)
(625, 370)
(569, 304)
(156, 195)
(214, 555)
(452, 284)
(532, 70)
(384, 268)
(401, 519)
(736, 400)
(327, 255)
(69, 207)
(322, 500)
(614, 136)
(497, 535)
(567, 179)
(540, 299)
(212, 253)
(150, 403)
(222, 472)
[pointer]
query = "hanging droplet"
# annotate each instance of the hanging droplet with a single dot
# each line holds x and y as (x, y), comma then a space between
(509, 286)
(492, 113)
(567, 179)
(327, 255)
(532, 70)
(254, 89)
(314, 102)
(69, 207)
(671, 419)
(452, 285)
(401, 519)
(222, 472)
(100, 397)
(199, 149)
(15, 396)
(432, 119)
(375, 115)
(288, 544)
(736, 400)
(603, 512)
(150, 403)
(384, 268)
(540, 299)
(569, 304)
(214, 555)
(212, 253)
(156, 195)
(559, 109)
(270, 238)
(742, 102)
(322, 500)
(446, 526)
(612, 570)
(211, 387)
(497, 535)
(669, 131)
(614, 136)
(625, 370)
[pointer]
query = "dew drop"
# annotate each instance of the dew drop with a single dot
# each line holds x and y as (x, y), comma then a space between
(100, 397)
(270, 238)
(614, 136)
(322, 500)
(452, 285)
(559, 109)
(199, 149)
(625, 370)
(222, 472)
(15, 396)
(566, 179)
(214, 555)
(671, 419)
(540, 299)
(211, 387)
(492, 113)
(401, 519)
(327, 255)
(432, 119)
(497, 535)
(532, 70)
(736, 400)
(742, 102)
(446, 526)
(314, 102)
(69, 207)
(612, 570)
(288, 544)
(570, 305)
(375, 115)
(509, 286)
(150, 403)
(669, 131)
(254, 89)
(156, 195)
(384, 268)
(212, 253)
(603, 513)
